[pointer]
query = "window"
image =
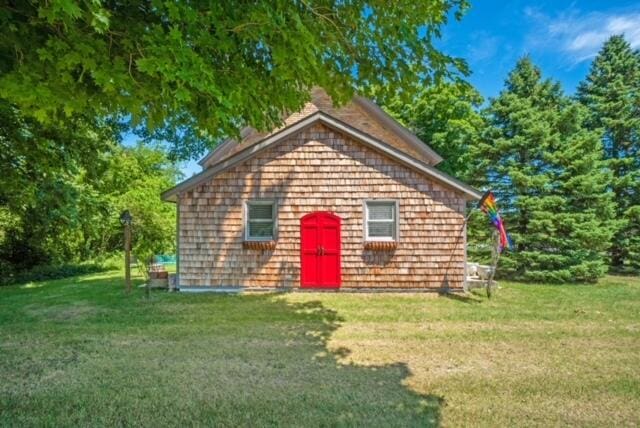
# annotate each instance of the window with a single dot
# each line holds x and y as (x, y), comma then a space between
(381, 221)
(260, 220)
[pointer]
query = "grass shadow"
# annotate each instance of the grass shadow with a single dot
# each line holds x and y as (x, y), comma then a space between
(464, 298)
(224, 360)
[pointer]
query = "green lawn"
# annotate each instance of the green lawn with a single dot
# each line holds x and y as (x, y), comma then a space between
(80, 352)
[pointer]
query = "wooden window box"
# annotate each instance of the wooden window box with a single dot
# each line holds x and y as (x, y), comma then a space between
(380, 245)
(260, 245)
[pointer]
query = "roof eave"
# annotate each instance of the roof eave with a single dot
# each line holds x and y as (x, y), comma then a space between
(469, 192)
(396, 127)
(243, 133)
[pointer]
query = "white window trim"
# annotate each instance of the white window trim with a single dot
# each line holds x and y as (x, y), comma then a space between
(396, 221)
(275, 219)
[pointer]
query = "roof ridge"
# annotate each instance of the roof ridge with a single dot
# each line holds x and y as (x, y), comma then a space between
(336, 124)
(366, 106)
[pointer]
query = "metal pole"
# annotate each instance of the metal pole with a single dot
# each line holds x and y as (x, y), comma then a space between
(495, 255)
(127, 257)
(147, 288)
(463, 230)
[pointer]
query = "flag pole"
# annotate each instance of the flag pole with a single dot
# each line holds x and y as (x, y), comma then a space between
(495, 255)
(495, 251)
(455, 246)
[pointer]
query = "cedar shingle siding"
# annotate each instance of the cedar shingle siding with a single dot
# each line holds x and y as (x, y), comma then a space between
(321, 170)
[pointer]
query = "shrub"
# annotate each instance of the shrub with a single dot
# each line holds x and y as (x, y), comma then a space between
(47, 272)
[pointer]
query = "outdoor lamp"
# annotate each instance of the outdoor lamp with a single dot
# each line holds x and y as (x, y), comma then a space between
(125, 218)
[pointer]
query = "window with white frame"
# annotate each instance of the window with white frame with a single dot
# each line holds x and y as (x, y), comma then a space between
(381, 220)
(260, 220)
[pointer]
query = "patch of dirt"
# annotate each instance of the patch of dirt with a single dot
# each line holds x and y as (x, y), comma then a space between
(69, 312)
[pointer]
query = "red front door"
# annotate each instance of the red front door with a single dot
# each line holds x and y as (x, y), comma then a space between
(320, 250)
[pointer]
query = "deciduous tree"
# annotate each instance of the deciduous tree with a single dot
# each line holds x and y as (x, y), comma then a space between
(62, 190)
(445, 116)
(198, 70)
(42, 195)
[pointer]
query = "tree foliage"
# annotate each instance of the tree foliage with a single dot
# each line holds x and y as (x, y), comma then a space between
(133, 180)
(611, 92)
(547, 170)
(198, 70)
(62, 189)
(42, 197)
(445, 116)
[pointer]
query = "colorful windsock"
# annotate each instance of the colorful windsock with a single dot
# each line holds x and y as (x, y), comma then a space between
(488, 206)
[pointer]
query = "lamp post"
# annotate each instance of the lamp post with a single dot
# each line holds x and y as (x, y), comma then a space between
(126, 220)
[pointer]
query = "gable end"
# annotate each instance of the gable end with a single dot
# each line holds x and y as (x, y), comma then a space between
(241, 156)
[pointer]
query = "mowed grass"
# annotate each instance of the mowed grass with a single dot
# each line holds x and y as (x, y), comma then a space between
(78, 352)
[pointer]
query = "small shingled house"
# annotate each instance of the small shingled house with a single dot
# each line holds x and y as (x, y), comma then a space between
(336, 198)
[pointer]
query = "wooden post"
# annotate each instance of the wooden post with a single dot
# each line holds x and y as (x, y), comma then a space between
(148, 287)
(127, 257)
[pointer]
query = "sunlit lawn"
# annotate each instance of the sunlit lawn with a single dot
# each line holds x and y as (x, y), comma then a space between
(80, 352)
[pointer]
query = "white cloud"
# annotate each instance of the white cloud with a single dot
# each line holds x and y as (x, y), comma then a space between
(580, 36)
(483, 47)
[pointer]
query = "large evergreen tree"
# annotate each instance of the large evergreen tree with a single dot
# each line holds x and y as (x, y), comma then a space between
(611, 91)
(547, 173)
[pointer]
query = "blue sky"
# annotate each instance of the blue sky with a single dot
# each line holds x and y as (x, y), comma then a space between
(562, 37)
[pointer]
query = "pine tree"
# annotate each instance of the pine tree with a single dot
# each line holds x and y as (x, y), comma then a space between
(583, 223)
(611, 92)
(546, 170)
